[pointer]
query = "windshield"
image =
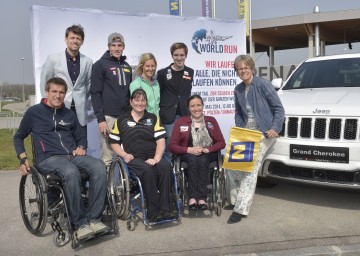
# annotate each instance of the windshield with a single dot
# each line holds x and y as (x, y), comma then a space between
(326, 73)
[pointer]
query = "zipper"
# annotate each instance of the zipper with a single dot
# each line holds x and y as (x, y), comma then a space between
(60, 139)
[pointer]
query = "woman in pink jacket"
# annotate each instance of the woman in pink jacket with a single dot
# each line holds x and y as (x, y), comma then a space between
(197, 139)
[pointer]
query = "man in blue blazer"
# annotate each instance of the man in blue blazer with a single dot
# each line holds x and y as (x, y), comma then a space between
(75, 69)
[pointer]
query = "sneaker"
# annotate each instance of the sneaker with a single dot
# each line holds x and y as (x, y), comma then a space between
(98, 227)
(84, 232)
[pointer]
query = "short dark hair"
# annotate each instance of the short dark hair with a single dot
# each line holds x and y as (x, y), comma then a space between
(138, 93)
(77, 30)
(178, 45)
(55, 80)
(195, 96)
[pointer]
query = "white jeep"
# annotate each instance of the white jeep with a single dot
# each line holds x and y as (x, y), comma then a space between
(320, 141)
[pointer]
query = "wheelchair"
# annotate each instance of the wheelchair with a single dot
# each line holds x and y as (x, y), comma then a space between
(36, 212)
(216, 196)
(127, 194)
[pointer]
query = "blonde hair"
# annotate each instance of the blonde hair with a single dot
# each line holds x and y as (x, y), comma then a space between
(144, 58)
(248, 60)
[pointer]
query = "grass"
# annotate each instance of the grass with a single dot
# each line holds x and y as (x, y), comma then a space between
(8, 158)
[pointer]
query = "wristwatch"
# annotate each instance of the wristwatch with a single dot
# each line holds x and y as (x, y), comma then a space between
(23, 160)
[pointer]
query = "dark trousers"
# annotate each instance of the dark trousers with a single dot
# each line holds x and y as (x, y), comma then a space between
(198, 173)
(156, 182)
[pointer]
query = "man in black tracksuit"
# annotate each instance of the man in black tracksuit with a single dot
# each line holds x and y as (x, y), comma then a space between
(175, 88)
(110, 79)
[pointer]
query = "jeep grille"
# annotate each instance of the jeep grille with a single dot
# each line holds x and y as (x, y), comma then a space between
(321, 128)
(301, 173)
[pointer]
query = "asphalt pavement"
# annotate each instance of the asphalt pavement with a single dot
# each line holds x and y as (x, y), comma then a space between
(288, 219)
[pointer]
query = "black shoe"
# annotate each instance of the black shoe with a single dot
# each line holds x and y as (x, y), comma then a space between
(155, 218)
(202, 207)
(193, 206)
(234, 218)
(229, 207)
(169, 215)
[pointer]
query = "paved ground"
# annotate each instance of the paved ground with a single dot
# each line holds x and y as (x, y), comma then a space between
(285, 220)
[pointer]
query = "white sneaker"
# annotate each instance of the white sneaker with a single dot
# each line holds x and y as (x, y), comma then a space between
(98, 227)
(84, 232)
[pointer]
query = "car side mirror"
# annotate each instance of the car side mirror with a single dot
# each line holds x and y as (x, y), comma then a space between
(277, 83)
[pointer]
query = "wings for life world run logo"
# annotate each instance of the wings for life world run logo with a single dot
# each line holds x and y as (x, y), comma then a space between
(204, 41)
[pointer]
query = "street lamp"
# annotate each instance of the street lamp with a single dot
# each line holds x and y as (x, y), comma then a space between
(23, 84)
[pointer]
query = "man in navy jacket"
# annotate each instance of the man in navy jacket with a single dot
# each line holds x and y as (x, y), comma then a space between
(60, 146)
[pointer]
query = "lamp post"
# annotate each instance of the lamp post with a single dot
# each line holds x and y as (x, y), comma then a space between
(23, 84)
(1, 97)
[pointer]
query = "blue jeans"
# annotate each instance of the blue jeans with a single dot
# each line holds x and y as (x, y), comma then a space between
(169, 128)
(67, 167)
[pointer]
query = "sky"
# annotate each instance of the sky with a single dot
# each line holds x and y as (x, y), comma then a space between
(17, 62)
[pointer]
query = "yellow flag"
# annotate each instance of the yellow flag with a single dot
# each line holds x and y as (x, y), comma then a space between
(243, 13)
(242, 149)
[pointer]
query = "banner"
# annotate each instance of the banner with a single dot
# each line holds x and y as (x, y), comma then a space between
(175, 7)
(213, 45)
(242, 149)
(207, 8)
(243, 13)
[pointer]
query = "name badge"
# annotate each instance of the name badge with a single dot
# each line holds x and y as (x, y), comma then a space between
(131, 123)
(184, 128)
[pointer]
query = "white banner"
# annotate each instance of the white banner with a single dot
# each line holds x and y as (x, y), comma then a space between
(213, 45)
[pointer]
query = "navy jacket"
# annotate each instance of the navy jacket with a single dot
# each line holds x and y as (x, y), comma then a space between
(54, 131)
(110, 81)
(169, 98)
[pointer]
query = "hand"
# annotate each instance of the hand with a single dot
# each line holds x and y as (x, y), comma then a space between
(272, 134)
(151, 161)
(25, 168)
(79, 152)
(205, 150)
(128, 158)
(195, 150)
(103, 128)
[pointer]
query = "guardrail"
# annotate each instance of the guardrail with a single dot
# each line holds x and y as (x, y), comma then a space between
(10, 121)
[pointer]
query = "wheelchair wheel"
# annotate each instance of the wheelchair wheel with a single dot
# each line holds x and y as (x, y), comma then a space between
(33, 202)
(118, 184)
(180, 179)
(61, 239)
(131, 225)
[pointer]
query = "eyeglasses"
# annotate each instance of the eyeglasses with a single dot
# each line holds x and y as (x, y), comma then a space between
(243, 69)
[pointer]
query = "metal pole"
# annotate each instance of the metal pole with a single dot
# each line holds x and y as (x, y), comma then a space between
(251, 47)
(1, 97)
(213, 8)
(181, 9)
(23, 84)
(317, 34)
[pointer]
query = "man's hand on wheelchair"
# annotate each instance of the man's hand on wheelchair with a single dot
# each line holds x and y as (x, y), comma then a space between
(25, 168)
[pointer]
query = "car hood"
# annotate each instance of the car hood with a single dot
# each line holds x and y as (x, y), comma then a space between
(343, 101)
